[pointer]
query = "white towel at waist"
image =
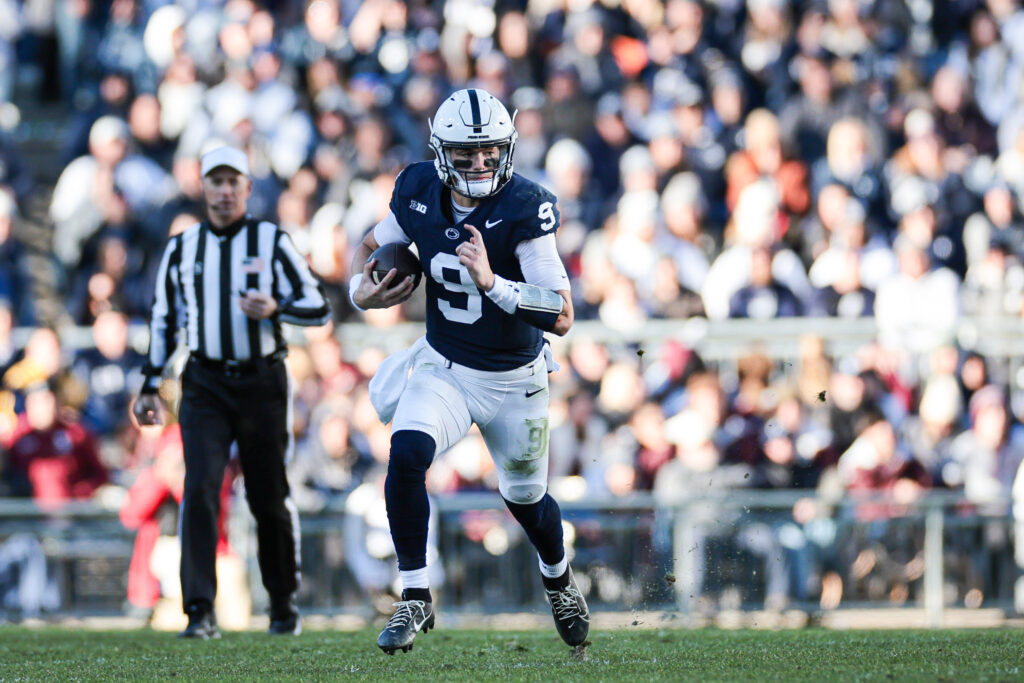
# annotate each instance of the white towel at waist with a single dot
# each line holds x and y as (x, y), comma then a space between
(389, 381)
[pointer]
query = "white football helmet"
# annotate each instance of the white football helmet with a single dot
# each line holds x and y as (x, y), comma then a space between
(471, 119)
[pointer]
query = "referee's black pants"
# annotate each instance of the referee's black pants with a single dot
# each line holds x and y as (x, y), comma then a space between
(217, 408)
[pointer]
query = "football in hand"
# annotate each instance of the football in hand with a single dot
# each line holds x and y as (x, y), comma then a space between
(399, 257)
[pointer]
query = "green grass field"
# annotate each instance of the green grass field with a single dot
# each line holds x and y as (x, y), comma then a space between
(627, 655)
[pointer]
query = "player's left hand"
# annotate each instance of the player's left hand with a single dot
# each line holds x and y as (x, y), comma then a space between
(257, 305)
(473, 255)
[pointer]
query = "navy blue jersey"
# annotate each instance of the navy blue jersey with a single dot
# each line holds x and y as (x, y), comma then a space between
(462, 323)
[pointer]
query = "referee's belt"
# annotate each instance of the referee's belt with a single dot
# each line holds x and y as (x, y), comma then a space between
(238, 368)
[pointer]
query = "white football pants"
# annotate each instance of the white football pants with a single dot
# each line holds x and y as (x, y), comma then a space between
(443, 399)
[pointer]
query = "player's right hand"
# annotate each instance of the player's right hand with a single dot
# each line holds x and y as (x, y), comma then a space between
(382, 294)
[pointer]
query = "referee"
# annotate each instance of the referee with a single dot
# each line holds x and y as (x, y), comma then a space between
(229, 282)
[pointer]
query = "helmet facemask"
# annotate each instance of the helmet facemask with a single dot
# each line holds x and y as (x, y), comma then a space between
(461, 179)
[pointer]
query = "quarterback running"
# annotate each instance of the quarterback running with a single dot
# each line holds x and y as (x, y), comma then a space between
(495, 284)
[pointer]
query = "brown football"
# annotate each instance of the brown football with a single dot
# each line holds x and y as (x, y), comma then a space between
(399, 257)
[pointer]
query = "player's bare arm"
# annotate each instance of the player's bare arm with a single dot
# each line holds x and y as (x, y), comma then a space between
(384, 294)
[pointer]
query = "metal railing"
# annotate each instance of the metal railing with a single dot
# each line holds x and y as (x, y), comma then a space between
(741, 550)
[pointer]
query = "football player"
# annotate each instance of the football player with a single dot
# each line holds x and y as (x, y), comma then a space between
(494, 285)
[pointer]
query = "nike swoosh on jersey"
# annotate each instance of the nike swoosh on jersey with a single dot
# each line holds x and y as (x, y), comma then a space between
(533, 393)
(491, 224)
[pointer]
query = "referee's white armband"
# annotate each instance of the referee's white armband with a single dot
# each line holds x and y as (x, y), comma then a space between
(353, 285)
(537, 306)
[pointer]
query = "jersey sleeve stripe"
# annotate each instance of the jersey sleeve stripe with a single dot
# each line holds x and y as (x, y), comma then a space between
(305, 304)
(162, 325)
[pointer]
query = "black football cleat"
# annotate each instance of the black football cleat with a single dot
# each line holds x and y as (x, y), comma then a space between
(572, 618)
(284, 617)
(410, 617)
(202, 625)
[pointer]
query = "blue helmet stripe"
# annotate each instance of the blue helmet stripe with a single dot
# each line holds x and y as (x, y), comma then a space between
(474, 105)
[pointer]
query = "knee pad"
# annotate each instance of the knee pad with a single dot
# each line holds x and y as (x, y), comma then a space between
(411, 451)
(524, 494)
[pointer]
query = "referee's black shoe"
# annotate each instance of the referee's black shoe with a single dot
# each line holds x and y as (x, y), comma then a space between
(572, 618)
(202, 625)
(284, 617)
(410, 617)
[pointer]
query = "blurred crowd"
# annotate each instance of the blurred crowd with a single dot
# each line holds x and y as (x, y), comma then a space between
(752, 159)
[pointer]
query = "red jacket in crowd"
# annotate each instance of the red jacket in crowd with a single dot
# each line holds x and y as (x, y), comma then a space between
(60, 463)
(162, 481)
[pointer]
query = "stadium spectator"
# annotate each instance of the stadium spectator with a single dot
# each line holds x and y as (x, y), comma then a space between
(568, 168)
(665, 145)
(764, 43)
(764, 297)
(114, 281)
(17, 178)
(41, 360)
(646, 431)
(845, 296)
(87, 190)
(111, 375)
(326, 462)
(918, 175)
(852, 151)
(998, 222)
(577, 431)
(928, 435)
(917, 307)
(806, 119)
(841, 229)
(763, 158)
(113, 97)
(144, 118)
(958, 120)
(876, 462)
(607, 142)
(567, 109)
(683, 212)
(994, 287)
(532, 146)
(53, 459)
(728, 102)
(986, 459)
(754, 225)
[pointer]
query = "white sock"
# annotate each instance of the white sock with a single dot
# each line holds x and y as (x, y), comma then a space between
(414, 578)
(553, 571)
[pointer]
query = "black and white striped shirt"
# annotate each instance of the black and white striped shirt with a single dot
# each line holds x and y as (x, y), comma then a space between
(201, 277)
